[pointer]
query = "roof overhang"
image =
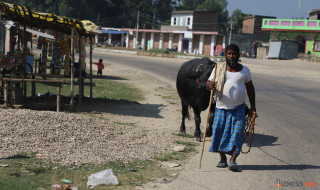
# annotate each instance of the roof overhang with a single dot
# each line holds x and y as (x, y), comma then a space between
(113, 32)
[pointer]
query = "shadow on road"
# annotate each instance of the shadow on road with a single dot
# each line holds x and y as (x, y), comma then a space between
(260, 140)
(109, 77)
(279, 167)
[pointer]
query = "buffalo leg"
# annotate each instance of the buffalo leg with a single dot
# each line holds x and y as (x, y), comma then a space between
(210, 122)
(185, 114)
(197, 119)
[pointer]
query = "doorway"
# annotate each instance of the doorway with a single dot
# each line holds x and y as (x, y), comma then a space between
(302, 43)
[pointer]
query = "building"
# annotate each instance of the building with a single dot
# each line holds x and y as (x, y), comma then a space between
(250, 32)
(253, 24)
(314, 14)
(304, 32)
(194, 32)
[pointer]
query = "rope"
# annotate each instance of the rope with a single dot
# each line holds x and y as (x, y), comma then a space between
(249, 130)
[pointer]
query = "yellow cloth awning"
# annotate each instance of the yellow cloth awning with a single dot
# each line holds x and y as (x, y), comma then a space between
(25, 16)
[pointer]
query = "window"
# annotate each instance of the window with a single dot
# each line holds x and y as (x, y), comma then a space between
(188, 21)
(316, 46)
(174, 21)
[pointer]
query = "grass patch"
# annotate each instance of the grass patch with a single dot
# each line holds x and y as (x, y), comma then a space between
(184, 135)
(126, 124)
(191, 145)
(102, 88)
(179, 155)
(31, 173)
(172, 156)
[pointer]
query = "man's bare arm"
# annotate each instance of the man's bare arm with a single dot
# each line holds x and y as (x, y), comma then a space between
(252, 95)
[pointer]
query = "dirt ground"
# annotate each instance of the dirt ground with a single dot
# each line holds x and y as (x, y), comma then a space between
(160, 110)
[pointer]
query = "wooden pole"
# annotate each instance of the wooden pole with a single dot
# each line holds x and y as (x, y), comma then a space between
(80, 71)
(6, 95)
(25, 51)
(210, 102)
(230, 33)
(90, 67)
(58, 96)
(72, 67)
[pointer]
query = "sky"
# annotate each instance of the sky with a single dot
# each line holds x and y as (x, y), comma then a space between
(282, 9)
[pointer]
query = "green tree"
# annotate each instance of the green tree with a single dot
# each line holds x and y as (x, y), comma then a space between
(237, 20)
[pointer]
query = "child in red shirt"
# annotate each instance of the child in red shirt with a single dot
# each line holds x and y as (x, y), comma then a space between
(100, 67)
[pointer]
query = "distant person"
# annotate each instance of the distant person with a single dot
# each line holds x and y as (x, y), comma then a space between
(254, 50)
(124, 44)
(100, 67)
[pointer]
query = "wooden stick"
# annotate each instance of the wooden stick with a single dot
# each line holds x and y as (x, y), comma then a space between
(210, 102)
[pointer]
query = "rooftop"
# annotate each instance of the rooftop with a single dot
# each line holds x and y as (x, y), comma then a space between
(291, 25)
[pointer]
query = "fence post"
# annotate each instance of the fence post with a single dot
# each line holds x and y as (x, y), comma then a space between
(6, 93)
(58, 96)
(33, 87)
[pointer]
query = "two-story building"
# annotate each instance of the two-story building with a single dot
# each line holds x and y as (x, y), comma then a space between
(252, 25)
(193, 32)
(304, 32)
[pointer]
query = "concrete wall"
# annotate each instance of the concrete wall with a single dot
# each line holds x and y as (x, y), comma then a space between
(173, 28)
(181, 20)
(244, 41)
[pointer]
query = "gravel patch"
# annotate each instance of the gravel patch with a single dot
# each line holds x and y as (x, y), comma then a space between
(71, 139)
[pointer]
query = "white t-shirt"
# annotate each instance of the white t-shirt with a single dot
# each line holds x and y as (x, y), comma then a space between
(234, 90)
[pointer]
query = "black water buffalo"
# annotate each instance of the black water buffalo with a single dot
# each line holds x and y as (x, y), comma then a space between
(191, 80)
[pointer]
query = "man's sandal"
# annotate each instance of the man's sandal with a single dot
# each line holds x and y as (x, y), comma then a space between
(233, 166)
(222, 164)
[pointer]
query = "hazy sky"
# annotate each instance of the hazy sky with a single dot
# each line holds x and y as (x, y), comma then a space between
(282, 9)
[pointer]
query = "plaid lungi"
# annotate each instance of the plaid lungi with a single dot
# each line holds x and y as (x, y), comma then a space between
(228, 128)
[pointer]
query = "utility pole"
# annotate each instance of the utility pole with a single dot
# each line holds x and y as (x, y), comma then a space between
(154, 15)
(230, 33)
(137, 33)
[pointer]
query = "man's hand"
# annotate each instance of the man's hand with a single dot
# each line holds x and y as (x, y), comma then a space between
(210, 85)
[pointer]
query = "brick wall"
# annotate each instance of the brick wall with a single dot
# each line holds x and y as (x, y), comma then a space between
(204, 21)
(156, 40)
(175, 40)
(165, 41)
(148, 37)
(207, 45)
(247, 26)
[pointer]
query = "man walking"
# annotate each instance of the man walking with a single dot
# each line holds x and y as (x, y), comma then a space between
(231, 83)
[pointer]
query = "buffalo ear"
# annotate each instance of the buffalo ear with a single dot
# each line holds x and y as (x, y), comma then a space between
(199, 68)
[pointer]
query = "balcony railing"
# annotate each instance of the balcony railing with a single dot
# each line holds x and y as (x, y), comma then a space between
(291, 24)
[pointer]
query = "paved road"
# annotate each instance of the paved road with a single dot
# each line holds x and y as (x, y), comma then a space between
(286, 145)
